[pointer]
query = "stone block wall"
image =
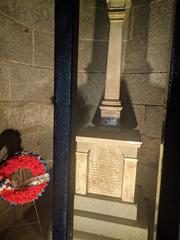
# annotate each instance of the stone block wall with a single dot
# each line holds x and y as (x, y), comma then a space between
(93, 44)
(145, 82)
(26, 86)
(26, 72)
(145, 72)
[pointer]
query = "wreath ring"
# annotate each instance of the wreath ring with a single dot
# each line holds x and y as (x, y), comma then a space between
(33, 187)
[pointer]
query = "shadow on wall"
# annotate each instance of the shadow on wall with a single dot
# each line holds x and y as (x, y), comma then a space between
(10, 143)
(137, 66)
(92, 77)
(135, 62)
(128, 119)
(92, 80)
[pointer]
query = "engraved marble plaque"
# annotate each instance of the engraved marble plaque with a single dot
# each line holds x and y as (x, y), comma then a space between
(105, 171)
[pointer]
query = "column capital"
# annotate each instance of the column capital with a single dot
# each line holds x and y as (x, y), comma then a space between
(118, 9)
(118, 4)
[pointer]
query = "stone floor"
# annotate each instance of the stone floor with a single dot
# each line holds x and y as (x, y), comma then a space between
(29, 227)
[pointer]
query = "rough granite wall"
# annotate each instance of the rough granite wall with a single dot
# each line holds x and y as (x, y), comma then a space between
(145, 66)
(26, 71)
(26, 81)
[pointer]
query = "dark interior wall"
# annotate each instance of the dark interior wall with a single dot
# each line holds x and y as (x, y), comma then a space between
(169, 209)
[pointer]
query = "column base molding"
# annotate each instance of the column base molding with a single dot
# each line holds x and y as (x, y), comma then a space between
(110, 112)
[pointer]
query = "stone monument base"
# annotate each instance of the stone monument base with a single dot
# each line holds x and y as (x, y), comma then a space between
(107, 203)
(102, 219)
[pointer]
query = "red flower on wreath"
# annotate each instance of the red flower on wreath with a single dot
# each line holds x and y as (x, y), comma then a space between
(28, 192)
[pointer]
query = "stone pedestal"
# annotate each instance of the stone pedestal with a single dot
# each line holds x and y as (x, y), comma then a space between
(105, 202)
(106, 162)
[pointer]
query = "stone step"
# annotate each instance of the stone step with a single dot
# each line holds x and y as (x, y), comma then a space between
(101, 226)
(109, 227)
(106, 206)
(78, 235)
